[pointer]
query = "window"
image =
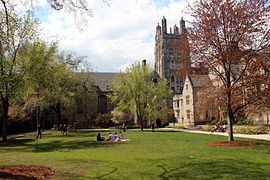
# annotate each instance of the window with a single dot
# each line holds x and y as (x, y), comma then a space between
(188, 114)
(187, 100)
(181, 102)
(186, 86)
(173, 89)
(181, 89)
(266, 71)
(172, 78)
(102, 104)
(177, 103)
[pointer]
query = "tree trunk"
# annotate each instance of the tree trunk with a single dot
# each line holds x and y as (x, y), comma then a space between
(141, 126)
(38, 117)
(58, 113)
(230, 117)
(5, 106)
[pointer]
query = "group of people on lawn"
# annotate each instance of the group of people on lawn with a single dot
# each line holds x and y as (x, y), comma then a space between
(112, 137)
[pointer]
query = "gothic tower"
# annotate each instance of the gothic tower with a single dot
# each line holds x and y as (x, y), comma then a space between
(167, 60)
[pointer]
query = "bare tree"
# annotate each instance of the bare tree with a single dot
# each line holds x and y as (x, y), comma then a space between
(79, 9)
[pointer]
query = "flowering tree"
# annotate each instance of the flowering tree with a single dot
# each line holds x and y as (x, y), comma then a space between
(231, 38)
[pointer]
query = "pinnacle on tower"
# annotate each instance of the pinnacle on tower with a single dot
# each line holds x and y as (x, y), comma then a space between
(158, 29)
(164, 25)
(175, 29)
(182, 25)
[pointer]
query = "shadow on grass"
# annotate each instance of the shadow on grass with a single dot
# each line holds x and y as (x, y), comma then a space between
(59, 142)
(15, 142)
(6, 175)
(66, 146)
(216, 169)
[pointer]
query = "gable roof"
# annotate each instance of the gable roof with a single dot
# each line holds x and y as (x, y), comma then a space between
(103, 80)
(199, 80)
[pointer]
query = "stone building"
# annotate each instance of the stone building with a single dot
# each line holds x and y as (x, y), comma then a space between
(96, 102)
(185, 112)
(166, 64)
(167, 60)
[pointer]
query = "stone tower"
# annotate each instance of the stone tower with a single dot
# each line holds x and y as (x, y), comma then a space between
(167, 60)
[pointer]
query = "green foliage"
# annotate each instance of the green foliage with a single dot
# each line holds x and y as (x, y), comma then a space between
(133, 127)
(206, 127)
(251, 129)
(14, 35)
(135, 91)
(104, 120)
(176, 127)
(219, 122)
(244, 121)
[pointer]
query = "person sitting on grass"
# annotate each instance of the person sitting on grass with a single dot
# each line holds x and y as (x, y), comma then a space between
(100, 138)
(116, 137)
(111, 137)
(121, 136)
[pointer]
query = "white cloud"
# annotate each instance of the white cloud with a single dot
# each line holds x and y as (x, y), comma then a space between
(116, 36)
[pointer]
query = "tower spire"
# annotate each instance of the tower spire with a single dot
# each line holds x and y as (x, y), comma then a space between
(164, 25)
(182, 26)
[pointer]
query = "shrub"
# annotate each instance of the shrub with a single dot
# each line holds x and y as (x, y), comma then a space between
(177, 127)
(245, 121)
(206, 127)
(251, 130)
(223, 122)
(104, 120)
(133, 127)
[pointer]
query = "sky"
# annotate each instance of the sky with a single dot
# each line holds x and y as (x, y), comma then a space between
(117, 35)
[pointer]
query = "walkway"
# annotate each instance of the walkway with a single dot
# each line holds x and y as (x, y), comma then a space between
(265, 137)
(17, 135)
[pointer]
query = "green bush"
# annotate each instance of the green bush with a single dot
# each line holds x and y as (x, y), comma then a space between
(133, 127)
(206, 127)
(104, 120)
(177, 127)
(244, 121)
(251, 130)
(223, 122)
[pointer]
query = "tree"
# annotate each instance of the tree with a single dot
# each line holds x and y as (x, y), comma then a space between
(230, 38)
(138, 92)
(50, 77)
(15, 32)
(84, 92)
(78, 8)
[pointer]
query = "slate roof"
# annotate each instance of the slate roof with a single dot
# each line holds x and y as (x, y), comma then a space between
(199, 80)
(103, 80)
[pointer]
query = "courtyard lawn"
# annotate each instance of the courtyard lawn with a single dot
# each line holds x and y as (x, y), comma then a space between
(148, 155)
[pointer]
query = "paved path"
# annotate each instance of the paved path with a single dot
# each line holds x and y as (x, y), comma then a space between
(265, 137)
(17, 135)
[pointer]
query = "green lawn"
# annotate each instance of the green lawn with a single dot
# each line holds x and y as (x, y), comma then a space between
(158, 155)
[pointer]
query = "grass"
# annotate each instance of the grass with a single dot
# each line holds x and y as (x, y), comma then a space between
(158, 155)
